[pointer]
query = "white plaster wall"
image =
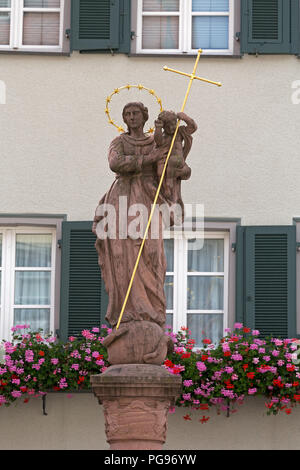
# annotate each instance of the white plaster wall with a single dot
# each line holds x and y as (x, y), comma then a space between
(54, 134)
(78, 423)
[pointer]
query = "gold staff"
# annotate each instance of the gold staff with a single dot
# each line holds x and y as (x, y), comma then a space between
(192, 78)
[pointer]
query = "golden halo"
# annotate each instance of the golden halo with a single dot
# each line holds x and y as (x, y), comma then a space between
(128, 87)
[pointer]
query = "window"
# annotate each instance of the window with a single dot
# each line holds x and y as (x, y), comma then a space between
(31, 25)
(27, 258)
(184, 26)
(196, 284)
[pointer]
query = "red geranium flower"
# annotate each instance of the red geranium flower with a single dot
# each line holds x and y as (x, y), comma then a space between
(191, 341)
(204, 357)
(203, 406)
(41, 353)
(290, 367)
(250, 375)
(230, 386)
(264, 367)
(246, 330)
(227, 353)
(245, 366)
(297, 397)
(277, 383)
(168, 363)
(288, 411)
(185, 355)
(204, 419)
(206, 341)
(187, 418)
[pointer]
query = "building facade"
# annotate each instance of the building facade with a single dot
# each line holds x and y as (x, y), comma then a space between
(59, 62)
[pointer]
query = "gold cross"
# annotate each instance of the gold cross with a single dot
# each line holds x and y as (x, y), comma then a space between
(192, 78)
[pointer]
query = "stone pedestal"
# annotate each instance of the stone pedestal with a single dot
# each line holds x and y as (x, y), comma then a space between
(136, 399)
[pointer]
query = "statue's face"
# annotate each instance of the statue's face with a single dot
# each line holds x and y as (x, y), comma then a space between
(133, 117)
(170, 126)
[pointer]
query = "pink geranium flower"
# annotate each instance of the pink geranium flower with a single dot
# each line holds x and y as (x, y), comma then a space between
(201, 366)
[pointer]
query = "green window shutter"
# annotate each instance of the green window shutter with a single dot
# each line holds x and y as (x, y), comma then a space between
(239, 291)
(266, 288)
(83, 297)
(269, 26)
(95, 24)
(125, 27)
(100, 25)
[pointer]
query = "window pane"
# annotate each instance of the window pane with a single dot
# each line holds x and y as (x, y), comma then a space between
(160, 32)
(205, 326)
(36, 318)
(210, 5)
(205, 293)
(5, 3)
(169, 320)
(33, 250)
(208, 258)
(41, 3)
(169, 284)
(32, 288)
(4, 28)
(41, 29)
(210, 32)
(169, 252)
(161, 5)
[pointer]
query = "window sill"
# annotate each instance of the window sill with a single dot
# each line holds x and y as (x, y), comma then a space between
(203, 56)
(48, 53)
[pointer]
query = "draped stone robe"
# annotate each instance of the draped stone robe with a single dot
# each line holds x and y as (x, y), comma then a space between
(138, 183)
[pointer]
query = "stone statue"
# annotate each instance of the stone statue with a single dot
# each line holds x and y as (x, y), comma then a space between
(137, 159)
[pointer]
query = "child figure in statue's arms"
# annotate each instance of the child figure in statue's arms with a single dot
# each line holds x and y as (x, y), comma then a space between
(165, 127)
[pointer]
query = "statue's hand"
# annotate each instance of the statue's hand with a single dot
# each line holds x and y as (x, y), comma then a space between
(155, 156)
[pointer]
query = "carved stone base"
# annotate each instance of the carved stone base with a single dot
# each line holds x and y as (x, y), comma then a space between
(136, 399)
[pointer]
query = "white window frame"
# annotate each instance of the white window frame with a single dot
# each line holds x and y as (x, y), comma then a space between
(180, 274)
(17, 11)
(8, 276)
(185, 29)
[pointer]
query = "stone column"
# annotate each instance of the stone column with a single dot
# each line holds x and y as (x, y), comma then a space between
(136, 399)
